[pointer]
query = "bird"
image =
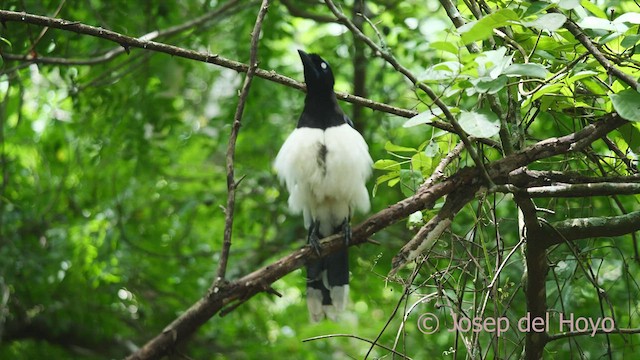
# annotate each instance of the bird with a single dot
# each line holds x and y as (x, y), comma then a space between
(325, 164)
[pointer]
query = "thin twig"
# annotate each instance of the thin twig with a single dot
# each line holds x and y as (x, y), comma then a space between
(433, 229)
(590, 332)
(572, 190)
(231, 148)
(407, 290)
(45, 29)
(496, 275)
(438, 172)
(356, 337)
(302, 12)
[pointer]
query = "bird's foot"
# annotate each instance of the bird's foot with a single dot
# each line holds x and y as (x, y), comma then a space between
(314, 238)
(346, 229)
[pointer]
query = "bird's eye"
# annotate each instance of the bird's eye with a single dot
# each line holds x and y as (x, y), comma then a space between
(323, 65)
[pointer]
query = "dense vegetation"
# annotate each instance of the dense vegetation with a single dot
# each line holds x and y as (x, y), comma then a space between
(505, 136)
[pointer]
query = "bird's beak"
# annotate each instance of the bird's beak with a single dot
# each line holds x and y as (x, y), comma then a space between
(306, 60)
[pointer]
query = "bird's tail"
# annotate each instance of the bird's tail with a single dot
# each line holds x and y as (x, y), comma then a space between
(328, 284)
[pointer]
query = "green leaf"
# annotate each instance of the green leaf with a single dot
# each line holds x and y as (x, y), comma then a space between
(595, 23)
(530, 70)
(483, 28)
(627, 104)
(581, 75)
(492, 63)
(387, 165)
(442, 71)
(536, 8)
(630, 17)
(445, 46)
(388, 177)
(432, 149)
(481, 124)
(568, 4)
(631, 135)
(415, 219)
(609, 38)
(593, 8)
(424, 117)
(420, 162)
(397, 148)
(546, 90)
(630, 41)
(548, 22)
(450, 66)
(410, 180)
(488, 85)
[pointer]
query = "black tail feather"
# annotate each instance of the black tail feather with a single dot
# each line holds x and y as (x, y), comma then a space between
(327, 283)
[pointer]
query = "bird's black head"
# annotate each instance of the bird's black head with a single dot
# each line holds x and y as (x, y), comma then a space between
(317, 74)
(321, 109)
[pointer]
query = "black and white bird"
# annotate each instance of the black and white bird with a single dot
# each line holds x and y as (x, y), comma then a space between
(325, 164)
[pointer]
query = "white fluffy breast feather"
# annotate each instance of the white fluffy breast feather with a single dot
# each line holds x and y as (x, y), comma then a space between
(326, 192)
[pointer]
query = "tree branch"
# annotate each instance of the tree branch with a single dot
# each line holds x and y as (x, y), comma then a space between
(536, 272)
(433, 229)
(231, 148)
(438, 172)
(577, 141)
(524, 177)
(303, 13)
(359, 62)
(573, 190)
(590, 332)
(592, 227)
(321, 337)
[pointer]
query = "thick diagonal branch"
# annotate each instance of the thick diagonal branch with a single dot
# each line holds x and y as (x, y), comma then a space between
(426, 237)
